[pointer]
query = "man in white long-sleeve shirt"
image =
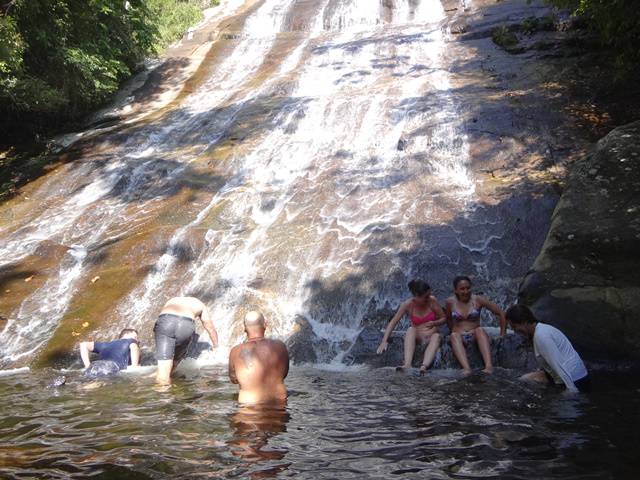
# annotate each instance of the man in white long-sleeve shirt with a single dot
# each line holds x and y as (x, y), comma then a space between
(560, 363)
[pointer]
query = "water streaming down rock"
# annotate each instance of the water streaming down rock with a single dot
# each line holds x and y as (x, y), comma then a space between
(311, 174)
(336, 128)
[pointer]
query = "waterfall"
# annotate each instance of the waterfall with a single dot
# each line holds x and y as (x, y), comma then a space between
(345, 132)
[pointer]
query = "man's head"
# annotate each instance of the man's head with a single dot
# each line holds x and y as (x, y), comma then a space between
(521, 319)
(254, 323)
(129, 333)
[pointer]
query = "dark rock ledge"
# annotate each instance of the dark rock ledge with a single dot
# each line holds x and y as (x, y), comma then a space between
(513, 351)
(586, 279)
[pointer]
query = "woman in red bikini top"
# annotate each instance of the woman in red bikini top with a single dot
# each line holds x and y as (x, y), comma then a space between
(426, 315)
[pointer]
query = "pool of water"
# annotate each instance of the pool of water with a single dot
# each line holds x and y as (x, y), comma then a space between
(337, 424)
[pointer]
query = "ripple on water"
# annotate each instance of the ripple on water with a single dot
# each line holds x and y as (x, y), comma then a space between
(352, 424)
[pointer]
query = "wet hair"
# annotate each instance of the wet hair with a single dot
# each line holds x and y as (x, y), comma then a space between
(127, 330)
(520, 314)
(418, 287)
(460, 278)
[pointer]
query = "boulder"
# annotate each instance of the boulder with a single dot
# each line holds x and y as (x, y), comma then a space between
(364, 349)
(585, 280)
(305, 346)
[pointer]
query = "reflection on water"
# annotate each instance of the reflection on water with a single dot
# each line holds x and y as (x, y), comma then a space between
(354, 424)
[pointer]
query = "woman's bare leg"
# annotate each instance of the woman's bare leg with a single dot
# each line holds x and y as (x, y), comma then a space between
(484, 345)
(409, 347)
(430, 352)
(458, 350)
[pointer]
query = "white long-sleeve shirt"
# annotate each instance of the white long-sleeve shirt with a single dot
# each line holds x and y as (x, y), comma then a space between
(556, 355)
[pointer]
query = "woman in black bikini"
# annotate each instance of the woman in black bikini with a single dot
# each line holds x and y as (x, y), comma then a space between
(426, 315)
(463, 317)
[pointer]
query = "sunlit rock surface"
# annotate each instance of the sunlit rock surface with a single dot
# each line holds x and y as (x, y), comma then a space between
(585, 281)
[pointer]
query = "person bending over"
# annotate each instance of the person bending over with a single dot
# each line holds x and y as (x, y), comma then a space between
(259, 365)
(112, 356)
(175, 329)
(426, 316)
(559, 361)
(463, 311)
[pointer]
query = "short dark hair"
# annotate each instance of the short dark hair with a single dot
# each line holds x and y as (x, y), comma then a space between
(520, 314)
(127, 330)
(418, 287)
(460, 278)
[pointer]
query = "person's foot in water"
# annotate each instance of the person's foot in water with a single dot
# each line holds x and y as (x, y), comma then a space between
(423, 369)
(403, 368)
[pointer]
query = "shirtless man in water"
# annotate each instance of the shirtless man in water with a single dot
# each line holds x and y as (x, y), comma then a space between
(174, 331)
(259, 365)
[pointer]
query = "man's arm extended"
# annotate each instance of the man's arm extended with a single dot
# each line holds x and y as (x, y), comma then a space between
(85, 348)
(232, 366)
(205, 317)
(135, 354)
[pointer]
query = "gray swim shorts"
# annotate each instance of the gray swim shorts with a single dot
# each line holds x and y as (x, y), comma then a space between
(173, 334)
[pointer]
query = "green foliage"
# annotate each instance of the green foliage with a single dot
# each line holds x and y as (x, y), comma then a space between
(61, 58)
(616, 21)
(173, 17)
(531, 25)
(504, 38)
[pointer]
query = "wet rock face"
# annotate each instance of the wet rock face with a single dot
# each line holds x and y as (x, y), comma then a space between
(306, 347)
(512, 351)
(585, 280)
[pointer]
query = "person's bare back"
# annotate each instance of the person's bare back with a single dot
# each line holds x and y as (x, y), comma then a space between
(184, 306)
(259, 365)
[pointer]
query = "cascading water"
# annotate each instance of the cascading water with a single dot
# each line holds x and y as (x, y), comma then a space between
(344, 156)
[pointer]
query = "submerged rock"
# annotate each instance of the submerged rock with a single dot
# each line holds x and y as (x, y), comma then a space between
(57, 382)
(585, 280)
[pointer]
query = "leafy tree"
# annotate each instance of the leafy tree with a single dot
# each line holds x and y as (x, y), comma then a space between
(616, 21)
(59, 59)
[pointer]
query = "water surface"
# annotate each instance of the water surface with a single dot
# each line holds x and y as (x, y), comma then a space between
(337, 424)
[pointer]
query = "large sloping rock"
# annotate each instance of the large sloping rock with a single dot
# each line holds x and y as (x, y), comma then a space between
(586, 280)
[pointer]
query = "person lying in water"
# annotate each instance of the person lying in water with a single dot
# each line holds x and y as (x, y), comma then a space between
(175, 330)
(112, 356)
(560, 363)
(259, 365)
(463, 311)
(426, 316)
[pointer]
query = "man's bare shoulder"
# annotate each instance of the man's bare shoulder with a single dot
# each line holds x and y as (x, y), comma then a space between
(234, 350)
(275, 347)
(273, 343)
